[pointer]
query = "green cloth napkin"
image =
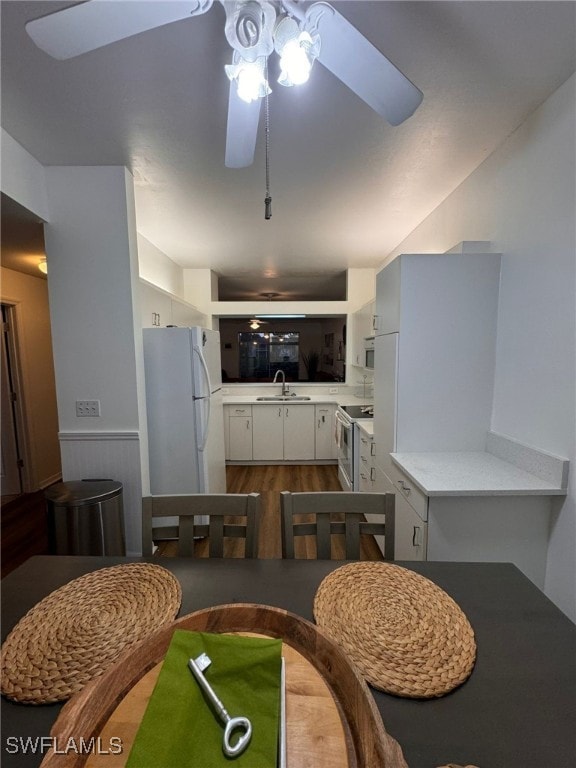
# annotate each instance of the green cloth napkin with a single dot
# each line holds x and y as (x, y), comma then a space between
(180, 728)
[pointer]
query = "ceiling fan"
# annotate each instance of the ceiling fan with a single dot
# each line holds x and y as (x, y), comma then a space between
(254, 29)
(254, 323)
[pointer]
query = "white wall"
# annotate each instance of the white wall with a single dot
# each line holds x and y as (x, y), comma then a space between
(157, 268)
(201, 289)
(93, 287)
(522, 199)
(360, 287)
(23, 177)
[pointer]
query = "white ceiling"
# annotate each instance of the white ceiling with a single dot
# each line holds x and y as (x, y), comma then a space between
(346, 187)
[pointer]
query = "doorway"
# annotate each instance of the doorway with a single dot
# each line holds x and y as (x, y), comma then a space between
(12, 465)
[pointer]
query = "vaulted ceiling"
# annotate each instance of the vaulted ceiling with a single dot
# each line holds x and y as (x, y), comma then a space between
(347, 187)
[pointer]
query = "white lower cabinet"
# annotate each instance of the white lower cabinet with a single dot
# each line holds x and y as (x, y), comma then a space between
(468, 527)
(411, 531)
(238, 433)
(268, 431)
(366, 468)
(280, 432)
(283, 432)
(298, 432)
(325, 441)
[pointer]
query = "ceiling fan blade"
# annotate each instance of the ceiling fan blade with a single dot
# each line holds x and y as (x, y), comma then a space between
(362, 67)
(242, 130)
(90, 25)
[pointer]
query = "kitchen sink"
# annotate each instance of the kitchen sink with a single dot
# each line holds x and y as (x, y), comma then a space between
(284, 398)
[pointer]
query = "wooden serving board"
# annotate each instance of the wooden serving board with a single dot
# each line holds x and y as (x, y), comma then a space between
(315, 732)
(331, 718)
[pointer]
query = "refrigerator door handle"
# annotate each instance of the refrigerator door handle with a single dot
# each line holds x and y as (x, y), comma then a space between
(205, 370)
(203, 439)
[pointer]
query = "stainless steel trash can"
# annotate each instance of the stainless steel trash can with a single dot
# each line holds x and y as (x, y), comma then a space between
(86, 517)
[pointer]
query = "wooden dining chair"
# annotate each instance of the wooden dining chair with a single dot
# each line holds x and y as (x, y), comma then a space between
(348, 513)
(215, 506)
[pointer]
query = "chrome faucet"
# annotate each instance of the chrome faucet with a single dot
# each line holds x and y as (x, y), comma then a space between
(284, 385)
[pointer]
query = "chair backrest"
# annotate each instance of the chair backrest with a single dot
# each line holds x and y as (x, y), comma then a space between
(215, 506)
(349, 513)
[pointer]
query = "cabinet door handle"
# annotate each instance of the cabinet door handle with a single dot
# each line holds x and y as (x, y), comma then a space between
(404, 487)
(286, 412)
(247, 423)
(279, 412)
(373, 449)
(372, 473)
(416, 536)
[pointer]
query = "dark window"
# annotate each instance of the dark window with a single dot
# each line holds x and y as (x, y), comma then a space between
(262, 354)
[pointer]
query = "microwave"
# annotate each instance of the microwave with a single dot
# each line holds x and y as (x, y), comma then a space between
(369, 353)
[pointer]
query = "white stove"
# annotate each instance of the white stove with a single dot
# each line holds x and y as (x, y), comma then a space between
(346, 417)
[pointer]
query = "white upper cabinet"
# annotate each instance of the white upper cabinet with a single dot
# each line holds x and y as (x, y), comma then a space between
(444, 308)
(387, 319)
(362, 328)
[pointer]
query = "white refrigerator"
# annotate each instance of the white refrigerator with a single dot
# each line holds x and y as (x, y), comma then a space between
(185, 414)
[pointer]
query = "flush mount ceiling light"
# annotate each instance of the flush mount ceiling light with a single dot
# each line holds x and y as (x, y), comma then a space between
(43, 266)
(255, 29)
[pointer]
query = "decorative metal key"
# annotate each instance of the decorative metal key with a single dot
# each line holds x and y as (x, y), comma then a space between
(242, 724)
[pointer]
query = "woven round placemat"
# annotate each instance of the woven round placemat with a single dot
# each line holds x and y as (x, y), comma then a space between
(76, 632)
(404, 633)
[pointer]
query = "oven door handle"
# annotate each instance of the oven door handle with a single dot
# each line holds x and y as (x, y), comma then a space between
(342, 420)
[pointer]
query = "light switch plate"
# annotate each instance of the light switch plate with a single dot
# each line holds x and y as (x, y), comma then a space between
(87, 407)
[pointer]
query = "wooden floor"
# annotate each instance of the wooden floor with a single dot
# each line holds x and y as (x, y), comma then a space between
(24, 525)
(268, 481)
(24, 531)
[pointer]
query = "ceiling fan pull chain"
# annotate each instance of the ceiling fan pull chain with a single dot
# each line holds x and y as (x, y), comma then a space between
(267, 199)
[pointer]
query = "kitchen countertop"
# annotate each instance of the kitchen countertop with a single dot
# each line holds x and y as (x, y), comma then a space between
(366, 425)
(335, 399)
(471, 473)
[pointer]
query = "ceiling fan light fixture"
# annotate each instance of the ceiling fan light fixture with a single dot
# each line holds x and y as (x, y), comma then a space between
(249, 77)
(297, 50)
(249, 26)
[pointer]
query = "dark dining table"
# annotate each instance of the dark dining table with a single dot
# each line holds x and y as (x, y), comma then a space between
(518, 707)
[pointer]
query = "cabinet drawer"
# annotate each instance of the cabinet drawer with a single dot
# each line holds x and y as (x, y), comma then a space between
(240, 410)
(413, 495)
(367, 479)
(411, 532)
(365, 461)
